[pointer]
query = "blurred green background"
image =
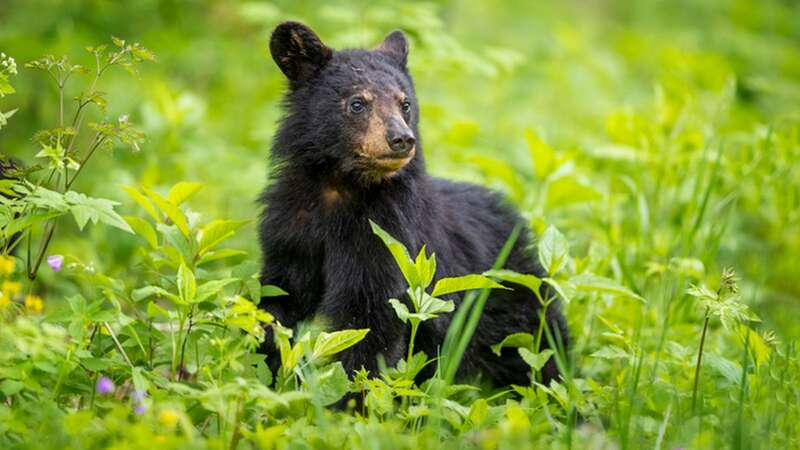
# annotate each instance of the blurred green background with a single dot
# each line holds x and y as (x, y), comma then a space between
(671, 127)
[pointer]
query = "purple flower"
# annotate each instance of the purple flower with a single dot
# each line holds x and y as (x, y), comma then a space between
(104, 385)
(55, 262)
(139, 409)
(138, 397)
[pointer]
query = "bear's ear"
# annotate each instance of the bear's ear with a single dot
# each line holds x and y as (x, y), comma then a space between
(298, 51)
(395, 46)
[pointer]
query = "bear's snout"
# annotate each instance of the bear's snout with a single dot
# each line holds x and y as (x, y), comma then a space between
(400, 140)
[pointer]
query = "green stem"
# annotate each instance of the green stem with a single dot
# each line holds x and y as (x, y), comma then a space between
(91, 398)
(117, 343)
(699, 361)
(61, 374)
(95, 144)
(414, 327)
(42, 250)
(186, 338)
(458, 336)
(10, 246)
(236, 433)
(173, 365)
(538, 344)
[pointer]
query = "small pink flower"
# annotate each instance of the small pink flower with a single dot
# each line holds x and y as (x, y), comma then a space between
(55, 262)
(104, 385)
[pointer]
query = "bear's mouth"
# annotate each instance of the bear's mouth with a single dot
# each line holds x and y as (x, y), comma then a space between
(392, 162)
(380, 165)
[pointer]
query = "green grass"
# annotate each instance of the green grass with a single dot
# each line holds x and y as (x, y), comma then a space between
(651, 145)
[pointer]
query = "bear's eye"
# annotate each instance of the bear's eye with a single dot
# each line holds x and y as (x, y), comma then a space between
(357, 106)
(406, 107)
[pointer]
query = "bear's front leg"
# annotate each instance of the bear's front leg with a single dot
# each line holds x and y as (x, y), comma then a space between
(298, 271)
(354, 309)
(357, 296)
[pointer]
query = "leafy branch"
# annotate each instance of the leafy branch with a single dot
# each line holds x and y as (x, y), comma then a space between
(59, 145)
(725, 304)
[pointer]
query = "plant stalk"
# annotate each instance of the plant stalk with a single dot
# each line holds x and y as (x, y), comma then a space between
(699, 361)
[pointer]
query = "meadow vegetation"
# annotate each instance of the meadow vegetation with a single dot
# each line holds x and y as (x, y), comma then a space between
(653, 146)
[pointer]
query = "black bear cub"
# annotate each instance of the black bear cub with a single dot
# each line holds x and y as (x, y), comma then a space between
(348, 151)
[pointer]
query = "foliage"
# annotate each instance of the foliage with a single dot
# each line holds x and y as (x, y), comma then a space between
(652, 146)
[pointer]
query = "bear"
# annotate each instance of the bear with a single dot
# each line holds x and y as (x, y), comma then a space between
(348, 151)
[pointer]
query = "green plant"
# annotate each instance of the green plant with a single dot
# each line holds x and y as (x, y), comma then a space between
(648, 146)
(40, 202)
(724, 304)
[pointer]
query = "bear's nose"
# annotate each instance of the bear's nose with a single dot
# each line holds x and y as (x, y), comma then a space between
(402, 141)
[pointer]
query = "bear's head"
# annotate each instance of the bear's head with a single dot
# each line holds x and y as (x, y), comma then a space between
(350, 114)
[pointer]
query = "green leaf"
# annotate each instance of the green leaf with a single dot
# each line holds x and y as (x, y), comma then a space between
(140, 383)
(96, 364)
(5, 87)
(211, 288)
(28, 221)
(143, 229)
(755, 343)
(140, 294)
(220, 254)
(331, 384)
(611, 352)
(170, 210)
(535, 360)
(143, 202)
(185, 245)
(253, 288)
(515, 340)
(11, 387)
(187, 285)
(400, 254)
(272, 291)
(329, 344)
(565, 291)
(730, 370)
(7, 186)
(568, 190)
(431, 306)
(464, 283)
(426, 267)
(181, 191)
(496, 169)
(594, 283)
(154, 310)
(703, 294)
(531, 282)
(217, 231)
(55, 155)
(553, 250)
(478, 412)
(400, 309)
(85, 208)
(4, 116)
(542, 155)
(47, 199)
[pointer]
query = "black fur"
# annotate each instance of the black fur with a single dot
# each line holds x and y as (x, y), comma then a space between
(10, 170)
(315, 233)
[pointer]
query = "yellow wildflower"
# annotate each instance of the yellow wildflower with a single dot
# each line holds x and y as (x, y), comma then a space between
(11, 288)
(168, 418)
(6, 265)
(34, 303)
(3, 300)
